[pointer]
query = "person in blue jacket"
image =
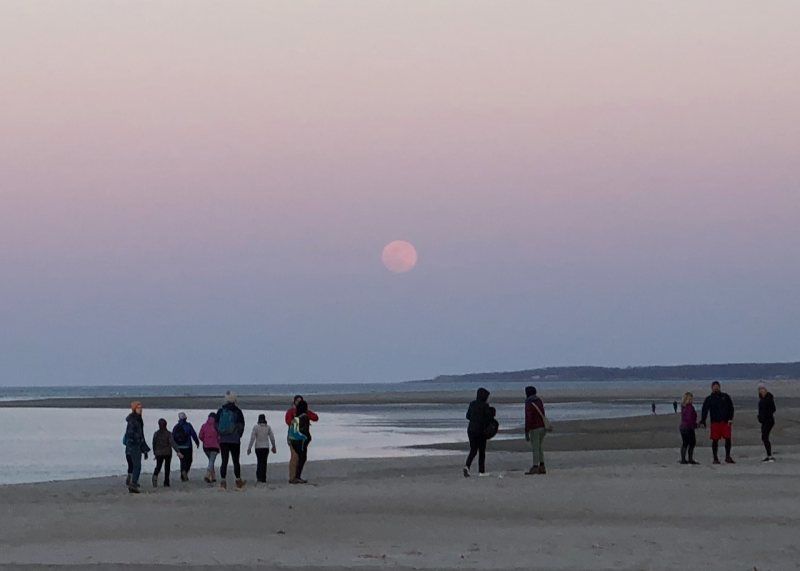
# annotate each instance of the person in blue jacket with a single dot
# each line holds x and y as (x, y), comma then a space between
(183, 434)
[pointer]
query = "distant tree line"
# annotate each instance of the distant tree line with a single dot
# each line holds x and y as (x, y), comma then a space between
(729, 371)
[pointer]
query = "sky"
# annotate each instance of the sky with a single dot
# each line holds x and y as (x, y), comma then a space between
(200, 192)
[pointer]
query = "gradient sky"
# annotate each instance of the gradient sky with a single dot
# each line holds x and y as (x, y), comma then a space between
(200, 191)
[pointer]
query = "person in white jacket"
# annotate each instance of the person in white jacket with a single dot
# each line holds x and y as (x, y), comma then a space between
(263, 439)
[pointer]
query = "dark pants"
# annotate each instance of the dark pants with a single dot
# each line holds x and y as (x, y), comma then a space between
(766, 428)
(230, 450)
(261, 464)
(186, 461)
(477, 445)
(689, 442)
(715, 448)
(163, 461)
(129, 460)
(135, 467)
(301, 449)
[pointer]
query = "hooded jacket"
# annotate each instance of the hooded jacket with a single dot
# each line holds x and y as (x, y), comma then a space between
(163, 443)
(533, 419)
(262, 436)
(480, 413)
(719, 406)
(209, 435)
(134, 435)
(766, 408)
(236, 436)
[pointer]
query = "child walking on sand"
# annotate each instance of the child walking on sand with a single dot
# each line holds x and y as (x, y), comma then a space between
(263, 437)
(210, 439)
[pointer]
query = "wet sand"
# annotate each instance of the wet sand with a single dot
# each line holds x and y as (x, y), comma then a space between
(627, 509)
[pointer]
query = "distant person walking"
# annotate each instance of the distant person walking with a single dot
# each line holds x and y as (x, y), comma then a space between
(299, 437)
(163, 445)
(135, 444)
(653, 407)
(719, 406)
(290, 415)
(230, 427)
(675, 406)
(263, 438)
(536, 425)
(480, 416)
(183, 433)
(766, 417)
(687, 428)
(210, 439)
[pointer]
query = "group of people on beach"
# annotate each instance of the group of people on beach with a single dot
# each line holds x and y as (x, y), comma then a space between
(221, 435)
(717, 410)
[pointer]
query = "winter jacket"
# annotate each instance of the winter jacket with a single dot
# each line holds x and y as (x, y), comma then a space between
(766, 408)
(720, 407)
(163, 443)
(134, 435)
(688, 417)
(533, 419)
(262, 436)
(236, 436)
(480, 413)
(209, 436)
(290, 414)
(187, 427)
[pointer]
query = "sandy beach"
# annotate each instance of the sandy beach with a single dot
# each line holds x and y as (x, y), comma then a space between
(614, 498)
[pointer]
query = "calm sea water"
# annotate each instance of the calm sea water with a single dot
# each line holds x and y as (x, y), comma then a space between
(43, 444)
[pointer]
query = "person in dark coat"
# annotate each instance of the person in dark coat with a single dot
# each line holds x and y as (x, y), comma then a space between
(230, 427)
(163, 445)
(135, 444)
(766, 417)
(480, 415)
(719, 406)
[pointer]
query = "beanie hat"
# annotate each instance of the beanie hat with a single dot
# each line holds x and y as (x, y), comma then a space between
(230, 396)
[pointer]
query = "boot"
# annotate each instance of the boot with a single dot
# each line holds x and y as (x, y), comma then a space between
(184, 477)
(155, 481)
(207, 477)
(128, 480)
(542, 469)
(240, 483)
(213, 476)
(223, 484)
(133, 490)
(532, 471)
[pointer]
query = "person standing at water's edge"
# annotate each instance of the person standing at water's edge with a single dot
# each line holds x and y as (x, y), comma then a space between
(183, 433)
(480, 415)
(719, 406)
(299, 437)
(262, 437)
(766, 417)
(230, 427)
(135, 444)
(210, 439)
(687, 428)
(163, 445)
(289, 417)
(535, 429)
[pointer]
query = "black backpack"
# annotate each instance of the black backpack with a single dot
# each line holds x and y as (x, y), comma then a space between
(179, 434)
(491, 429)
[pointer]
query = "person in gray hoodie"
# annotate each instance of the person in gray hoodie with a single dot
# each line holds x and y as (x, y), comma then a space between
(263, 438)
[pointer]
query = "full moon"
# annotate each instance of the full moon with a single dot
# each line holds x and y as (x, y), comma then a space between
(399, 256)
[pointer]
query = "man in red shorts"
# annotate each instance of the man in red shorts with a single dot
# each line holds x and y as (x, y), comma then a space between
(719, 406)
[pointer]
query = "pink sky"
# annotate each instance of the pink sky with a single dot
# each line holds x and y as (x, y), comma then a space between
(192, 191)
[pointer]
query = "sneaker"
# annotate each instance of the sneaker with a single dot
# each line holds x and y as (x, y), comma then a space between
(716, 461)
(155, 481)
(166, 483)
(771, 459)
(683, 462)
(133, 490)
(486, 474)
(533, 471)
(466, 472)
(542, 469)
(729, 460)
(766, 459)
(295, 481)
(184, 476)
(694, 462)
(302, 481)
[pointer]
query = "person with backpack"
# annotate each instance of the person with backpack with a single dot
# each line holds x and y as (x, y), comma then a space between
(289, 417)
(135, 445)
(766, 418)
(183, 434)
(210, 440)
(163, 445)
(719, 406)
(299, 437)
(230, 427)
(536, 425)
(480, 416)
(262, 436)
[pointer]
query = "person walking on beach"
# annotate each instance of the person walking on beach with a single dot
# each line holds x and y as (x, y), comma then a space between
(135, 444)
(653, 407)
(719, 406)
(183, 433)
(230, 427)
(687, 428)
(210, 439)
(480, 415)
(299, 437)
(535, 429)
(163, 445)
(289, 417)
(675, 406)
(766, 417)
(262, 437)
